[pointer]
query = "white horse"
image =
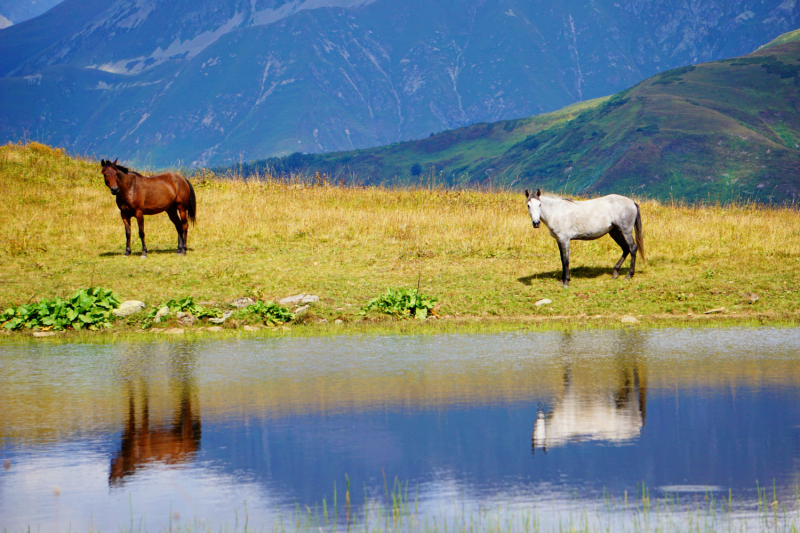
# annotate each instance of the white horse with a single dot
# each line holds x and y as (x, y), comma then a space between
(569, 220)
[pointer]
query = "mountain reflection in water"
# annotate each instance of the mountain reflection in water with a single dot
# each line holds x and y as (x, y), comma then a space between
(455, 416)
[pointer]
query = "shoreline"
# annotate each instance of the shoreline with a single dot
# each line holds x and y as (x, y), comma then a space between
(389, 326)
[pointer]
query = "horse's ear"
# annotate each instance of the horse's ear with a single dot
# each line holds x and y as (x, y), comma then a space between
(527, 194)
(102, 162)
(115, 161)
(538, 193)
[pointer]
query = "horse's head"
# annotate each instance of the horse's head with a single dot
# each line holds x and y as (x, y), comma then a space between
(534, 206)
(109, 170)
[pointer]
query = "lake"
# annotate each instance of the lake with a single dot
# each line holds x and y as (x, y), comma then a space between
(611, 429)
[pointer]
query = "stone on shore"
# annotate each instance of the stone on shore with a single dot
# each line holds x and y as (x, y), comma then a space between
(543, 301)
(627, 319)
(299, 299)
(243, 301)
(40, 334)
(128, 308)
(225, 316)
(164, 311)
(185, 319)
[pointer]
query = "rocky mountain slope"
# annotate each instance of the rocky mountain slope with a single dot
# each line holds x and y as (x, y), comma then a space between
(716, 131)
(16, 11)
(199, 82)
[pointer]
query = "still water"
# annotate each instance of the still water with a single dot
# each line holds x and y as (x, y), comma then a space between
(215, 433)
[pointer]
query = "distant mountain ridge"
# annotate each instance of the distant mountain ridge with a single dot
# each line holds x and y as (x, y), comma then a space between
(201, 82)
(727, 130)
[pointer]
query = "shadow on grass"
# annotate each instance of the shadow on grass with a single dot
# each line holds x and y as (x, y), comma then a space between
(137, 253)
(579, 272)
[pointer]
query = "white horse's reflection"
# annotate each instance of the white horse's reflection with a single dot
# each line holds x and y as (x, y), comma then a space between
(592, 411)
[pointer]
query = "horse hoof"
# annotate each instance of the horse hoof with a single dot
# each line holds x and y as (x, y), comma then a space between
(614, 275)
(629, 276)
(126, 254)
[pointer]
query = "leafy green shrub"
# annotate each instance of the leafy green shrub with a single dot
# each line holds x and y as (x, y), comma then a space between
(187, 305)
(403, 302)
(88, 308)
(271, 313)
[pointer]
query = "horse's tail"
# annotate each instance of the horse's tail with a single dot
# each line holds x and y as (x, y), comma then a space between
(639, 233)
(192, 207)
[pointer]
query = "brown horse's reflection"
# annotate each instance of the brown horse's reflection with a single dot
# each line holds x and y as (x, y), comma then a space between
(590, 408)
(143, 444)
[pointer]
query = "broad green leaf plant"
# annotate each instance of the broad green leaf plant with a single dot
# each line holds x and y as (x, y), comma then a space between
(88, 308)
(403, 303)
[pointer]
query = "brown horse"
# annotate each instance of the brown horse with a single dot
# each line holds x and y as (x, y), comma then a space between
(138, 195)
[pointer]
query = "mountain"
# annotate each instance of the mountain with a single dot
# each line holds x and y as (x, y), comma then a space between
(201, 82)
(16, 11)
(724, 130)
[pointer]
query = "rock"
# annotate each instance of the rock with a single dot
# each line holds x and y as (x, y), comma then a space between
(40, 334)
(215, 329)
(174, 331)
(627, 319)
(156, 330)
(4, 332)
(338, 321)
(225, 316)
(751, 297)
(543, 301)
(322, 321)
(714, 311)
(299, 299)
(251, 328)
(128, 308)
(244, 301)
(301, 310)
(185, 319)
(164, 311)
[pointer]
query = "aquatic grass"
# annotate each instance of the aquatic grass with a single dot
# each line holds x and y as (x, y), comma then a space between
(475, 250)
(399, 512)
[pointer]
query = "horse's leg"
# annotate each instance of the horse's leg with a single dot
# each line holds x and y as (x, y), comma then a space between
(619, 238)
(184, 225)
(176, 220)
(563, 247)
(127, 221)
(632, 245)
(140, 223)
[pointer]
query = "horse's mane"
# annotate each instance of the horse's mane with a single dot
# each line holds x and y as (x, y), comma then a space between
(556, 197)
(125, 170)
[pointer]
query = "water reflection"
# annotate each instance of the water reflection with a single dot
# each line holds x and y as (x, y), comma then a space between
(154, 442)
(142, 445)
(283, 420)
(588, 409)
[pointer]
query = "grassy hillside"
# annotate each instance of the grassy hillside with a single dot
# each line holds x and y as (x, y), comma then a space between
(715, 131)
(475, 251)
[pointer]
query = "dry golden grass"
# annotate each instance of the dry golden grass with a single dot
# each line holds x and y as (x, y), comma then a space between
(476, 251)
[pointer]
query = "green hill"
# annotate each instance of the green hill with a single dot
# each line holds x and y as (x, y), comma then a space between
(715, 131)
